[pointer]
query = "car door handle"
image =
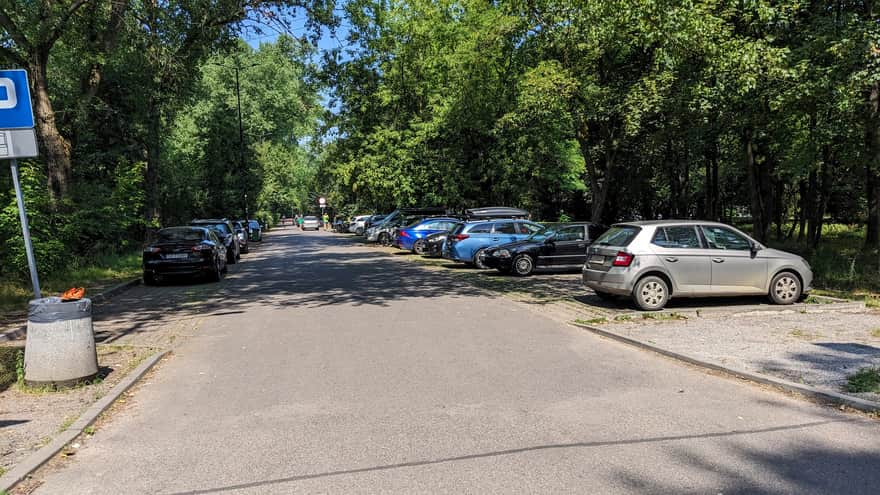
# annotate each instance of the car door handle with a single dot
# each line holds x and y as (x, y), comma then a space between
(717, 260)
(671, 259)
(582, 244)
(495, 239)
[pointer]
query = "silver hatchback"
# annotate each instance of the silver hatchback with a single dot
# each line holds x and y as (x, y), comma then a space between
(657, 260)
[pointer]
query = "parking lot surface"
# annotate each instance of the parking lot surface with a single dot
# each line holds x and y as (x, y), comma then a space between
(323, 366)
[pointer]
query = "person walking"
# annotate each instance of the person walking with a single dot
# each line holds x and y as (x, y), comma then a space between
(327, 225)
(299, 221)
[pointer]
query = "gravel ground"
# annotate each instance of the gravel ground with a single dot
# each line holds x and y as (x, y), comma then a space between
(29, 419)
(816, 348)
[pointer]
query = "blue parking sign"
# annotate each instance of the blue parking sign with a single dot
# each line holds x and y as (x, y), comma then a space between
(15, 100)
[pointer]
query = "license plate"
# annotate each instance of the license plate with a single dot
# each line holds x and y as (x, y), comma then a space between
(176, 256)
(597, 260)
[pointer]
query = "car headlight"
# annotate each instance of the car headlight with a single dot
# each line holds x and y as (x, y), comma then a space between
(502, 253)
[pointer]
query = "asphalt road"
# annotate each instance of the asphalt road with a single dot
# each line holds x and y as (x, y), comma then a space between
(330, 368)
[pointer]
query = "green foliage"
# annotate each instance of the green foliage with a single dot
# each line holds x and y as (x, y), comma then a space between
(865, 380)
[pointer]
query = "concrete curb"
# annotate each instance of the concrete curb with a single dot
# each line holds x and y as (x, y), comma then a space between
(103, 296)
(34, 461)
(798, 388)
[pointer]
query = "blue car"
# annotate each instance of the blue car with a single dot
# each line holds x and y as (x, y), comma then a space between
(466, 242)
(412, 237)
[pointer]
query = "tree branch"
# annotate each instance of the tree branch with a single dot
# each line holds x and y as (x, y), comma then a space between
(14, 33)
(58, 28)
(13, 56)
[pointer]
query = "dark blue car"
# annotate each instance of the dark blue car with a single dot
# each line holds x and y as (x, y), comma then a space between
(412, 237)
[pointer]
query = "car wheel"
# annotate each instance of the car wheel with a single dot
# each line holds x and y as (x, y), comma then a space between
(217, 273)
(651, 293)
(479, 260)
(230, 258)
(384, 239)
(419, 247)
(246, 250)
(359, 231)
(523, 265)
(150, 279)
(785, 288)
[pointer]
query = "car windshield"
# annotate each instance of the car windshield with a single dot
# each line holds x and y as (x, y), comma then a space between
(543, 234)
(620, 235)
(181, 235)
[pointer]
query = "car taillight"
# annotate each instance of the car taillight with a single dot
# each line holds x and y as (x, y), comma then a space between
(461, 237)
(403, 233)
(623, 259)
(201, 247)
(152, 250)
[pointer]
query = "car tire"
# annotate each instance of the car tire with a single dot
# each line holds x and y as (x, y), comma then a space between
(384, 239)
(785, 288)
(217, 273)
(231, 259)
(478, 259)
(359, 231)
(523, 265)
(246, 250)
(419, 247)
(150, 279)
(651, 293)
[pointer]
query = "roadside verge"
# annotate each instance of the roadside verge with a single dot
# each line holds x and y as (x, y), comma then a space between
(34, 461)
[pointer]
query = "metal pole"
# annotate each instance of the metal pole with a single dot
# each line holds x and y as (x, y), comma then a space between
(25, 231)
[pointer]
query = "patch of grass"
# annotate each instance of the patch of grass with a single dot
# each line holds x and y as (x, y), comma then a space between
(865, 380)
(9, 359)
(803, 334)
(623, 318)
(875, 333)
(663, 316)
(89, 430)
(592, 321)
(96, 271)
(2, 472)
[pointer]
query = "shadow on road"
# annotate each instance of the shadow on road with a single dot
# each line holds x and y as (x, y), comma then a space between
(829, 472)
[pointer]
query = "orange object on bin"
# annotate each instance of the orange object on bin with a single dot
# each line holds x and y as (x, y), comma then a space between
(73, 294)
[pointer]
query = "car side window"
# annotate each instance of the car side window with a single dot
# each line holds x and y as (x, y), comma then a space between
(505, 228)
(427, 226)
(483, 228)
(722, 238)
(527, 228)
(677, 237)
(571, 233)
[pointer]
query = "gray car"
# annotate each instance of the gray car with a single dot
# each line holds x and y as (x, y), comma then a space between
(657, 260)
(311, 222)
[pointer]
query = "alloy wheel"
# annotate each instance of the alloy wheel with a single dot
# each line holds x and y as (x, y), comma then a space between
(786, 288)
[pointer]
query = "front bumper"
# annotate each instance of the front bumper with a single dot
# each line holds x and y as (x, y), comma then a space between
(498, 263)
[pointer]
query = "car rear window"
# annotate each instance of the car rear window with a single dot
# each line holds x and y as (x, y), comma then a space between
(254, 224)
(181, 235)
(310, 218)
(619, 235)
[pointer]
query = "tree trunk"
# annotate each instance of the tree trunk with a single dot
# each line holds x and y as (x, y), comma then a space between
(872, 167)
(151, 173)
(56, 148)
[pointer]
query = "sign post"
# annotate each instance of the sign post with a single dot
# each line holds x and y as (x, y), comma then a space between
(18, 140)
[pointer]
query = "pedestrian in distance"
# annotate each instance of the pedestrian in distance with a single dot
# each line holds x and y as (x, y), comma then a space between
(299, 221)
(326, 219)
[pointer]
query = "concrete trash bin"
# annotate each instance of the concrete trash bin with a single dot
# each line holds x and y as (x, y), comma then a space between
(60, 347)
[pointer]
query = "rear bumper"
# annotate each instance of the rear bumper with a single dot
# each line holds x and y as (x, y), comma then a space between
(188, 267)
(613, 282)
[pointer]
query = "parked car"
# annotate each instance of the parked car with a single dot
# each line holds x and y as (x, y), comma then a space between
(184, 251)
(383, 231)
(434, 244)
(256, 230)
(372, 220)
(311, 222)
(241, 232)
(357, 225)
(467, 242)
(226, 233)
(412, 237)
(557, 246)
(657, 260)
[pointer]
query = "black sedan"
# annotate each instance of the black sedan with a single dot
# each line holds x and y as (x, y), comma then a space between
(558, 246)
(184, 251)
(432, 246)
(226, 233)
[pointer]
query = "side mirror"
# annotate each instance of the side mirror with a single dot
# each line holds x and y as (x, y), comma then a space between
(550, 240)
(754, 247)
